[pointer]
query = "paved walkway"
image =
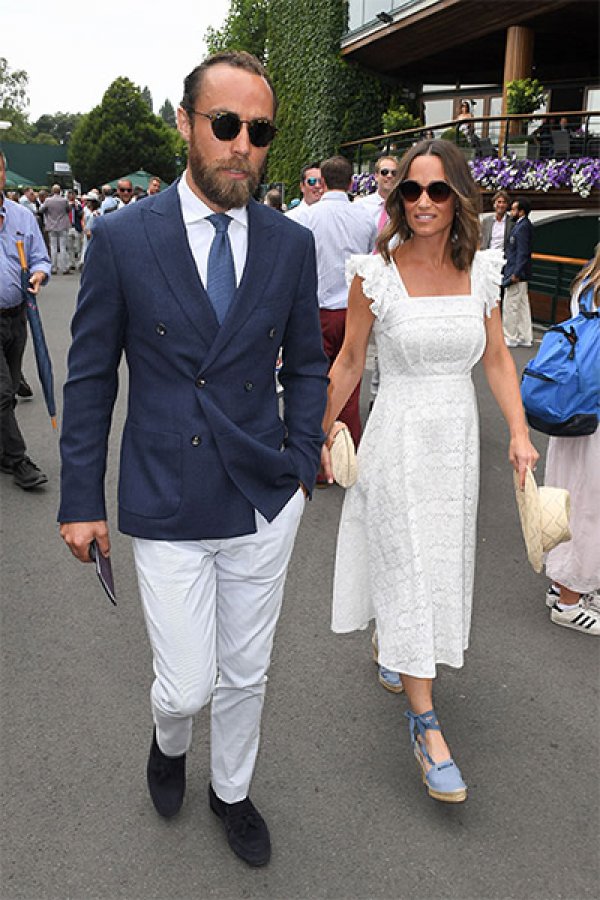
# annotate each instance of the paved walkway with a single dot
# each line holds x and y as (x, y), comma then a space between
(335, 780)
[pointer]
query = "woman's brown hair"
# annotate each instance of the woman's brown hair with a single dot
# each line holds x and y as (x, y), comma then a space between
(465, 228)
(591, 274)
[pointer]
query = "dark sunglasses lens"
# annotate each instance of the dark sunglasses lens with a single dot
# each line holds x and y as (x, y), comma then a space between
(261, 132)
(410, 191)
(385, 172)
(313, 181)
(226, 127)
(439, 191)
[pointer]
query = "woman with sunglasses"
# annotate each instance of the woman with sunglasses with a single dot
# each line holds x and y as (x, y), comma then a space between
(406, 544)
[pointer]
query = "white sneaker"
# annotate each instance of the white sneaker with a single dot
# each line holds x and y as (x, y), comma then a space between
(579, 617)
(589, 601)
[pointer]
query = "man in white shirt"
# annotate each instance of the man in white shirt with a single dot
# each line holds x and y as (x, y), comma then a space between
(124, 193)
(496, 229)
(341, 228)
(386, 178)
(311, 188)
(28, 200)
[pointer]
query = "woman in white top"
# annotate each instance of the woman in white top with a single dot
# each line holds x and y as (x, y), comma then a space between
(406, 544)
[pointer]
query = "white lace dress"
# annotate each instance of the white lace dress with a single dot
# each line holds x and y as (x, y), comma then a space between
(406, 543)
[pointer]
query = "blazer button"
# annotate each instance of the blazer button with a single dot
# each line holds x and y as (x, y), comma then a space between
(161, 329)
(200, 382)
(272, 332)
(196, 440)
(248, 386)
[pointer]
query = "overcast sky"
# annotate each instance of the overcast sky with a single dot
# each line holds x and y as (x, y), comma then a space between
(73, 49)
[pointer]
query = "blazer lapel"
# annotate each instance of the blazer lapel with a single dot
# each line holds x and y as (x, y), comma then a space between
(263, 239)
(167, 236)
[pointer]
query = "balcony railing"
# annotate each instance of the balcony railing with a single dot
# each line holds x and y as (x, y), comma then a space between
(533, 137)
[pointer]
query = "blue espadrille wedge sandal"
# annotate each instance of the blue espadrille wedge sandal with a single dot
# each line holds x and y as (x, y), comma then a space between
(443, 780)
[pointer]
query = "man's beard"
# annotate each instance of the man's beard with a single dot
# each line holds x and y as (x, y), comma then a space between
(224, 192)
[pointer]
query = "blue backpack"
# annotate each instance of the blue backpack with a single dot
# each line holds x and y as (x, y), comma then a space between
(560, 386)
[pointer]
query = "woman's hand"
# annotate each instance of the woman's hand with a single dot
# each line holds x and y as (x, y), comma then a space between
(326, 455)
(522, 455)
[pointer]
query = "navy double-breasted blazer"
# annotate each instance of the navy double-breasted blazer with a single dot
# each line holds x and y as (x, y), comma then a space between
(203, 444)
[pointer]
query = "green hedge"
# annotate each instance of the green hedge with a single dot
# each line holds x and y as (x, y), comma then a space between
(323, 100)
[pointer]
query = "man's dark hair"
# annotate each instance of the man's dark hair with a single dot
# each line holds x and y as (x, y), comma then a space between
(306, 168)
(336, 173)
(237, 59)
(523, 204)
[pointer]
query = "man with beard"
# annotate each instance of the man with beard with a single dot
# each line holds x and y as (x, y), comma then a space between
(200, 285)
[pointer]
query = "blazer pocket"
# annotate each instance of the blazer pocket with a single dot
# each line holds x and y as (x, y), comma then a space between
(150, 479)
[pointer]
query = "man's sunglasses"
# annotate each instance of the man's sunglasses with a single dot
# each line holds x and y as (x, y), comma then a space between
(313, 182)
(385, 172)
(438, 191)
(227, 125)
(126, 190)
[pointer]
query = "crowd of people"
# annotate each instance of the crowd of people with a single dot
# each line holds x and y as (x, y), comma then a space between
(214, 474)
(65, 218)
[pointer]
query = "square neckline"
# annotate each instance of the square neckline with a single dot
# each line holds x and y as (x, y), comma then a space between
(468, 296)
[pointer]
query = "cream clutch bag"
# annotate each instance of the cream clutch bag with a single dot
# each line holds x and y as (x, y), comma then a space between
(343, 459)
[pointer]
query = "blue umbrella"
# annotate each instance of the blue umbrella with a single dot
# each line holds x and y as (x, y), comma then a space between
(42, 356)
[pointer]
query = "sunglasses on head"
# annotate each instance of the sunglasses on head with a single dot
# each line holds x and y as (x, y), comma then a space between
(313, 182)
(438, 191)
(385, 172)
(227, 125)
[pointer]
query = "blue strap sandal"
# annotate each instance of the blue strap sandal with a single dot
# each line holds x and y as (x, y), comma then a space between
(443, 780)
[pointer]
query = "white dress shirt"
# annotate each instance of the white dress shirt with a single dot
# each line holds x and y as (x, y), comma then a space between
(341, 228)
(375, 203)
(298, 213)
(498, 233)
(200, 232)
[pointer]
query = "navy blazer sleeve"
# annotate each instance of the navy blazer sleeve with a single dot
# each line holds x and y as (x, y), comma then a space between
(523, 237)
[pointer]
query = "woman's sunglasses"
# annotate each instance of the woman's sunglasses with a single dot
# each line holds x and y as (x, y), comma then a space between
(438, 191)
(227, 125)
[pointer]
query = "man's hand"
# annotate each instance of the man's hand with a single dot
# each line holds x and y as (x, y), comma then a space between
(79, 535)
(36, 281)
(514, 279)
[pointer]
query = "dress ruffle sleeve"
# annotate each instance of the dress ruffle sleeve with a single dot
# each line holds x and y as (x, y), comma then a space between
(486, 275)
(372, 270)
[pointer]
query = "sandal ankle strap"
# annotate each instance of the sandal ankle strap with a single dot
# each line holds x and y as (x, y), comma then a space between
(418, 724)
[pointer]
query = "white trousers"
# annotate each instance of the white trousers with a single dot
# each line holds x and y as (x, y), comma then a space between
(211, 608)
(58, 250)
(516, 314)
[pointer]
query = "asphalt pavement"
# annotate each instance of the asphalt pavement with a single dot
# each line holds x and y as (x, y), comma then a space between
(336, 780)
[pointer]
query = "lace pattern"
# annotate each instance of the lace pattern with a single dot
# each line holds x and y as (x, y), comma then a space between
(406, 544)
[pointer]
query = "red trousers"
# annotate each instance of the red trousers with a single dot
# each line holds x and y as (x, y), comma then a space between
(333, 327)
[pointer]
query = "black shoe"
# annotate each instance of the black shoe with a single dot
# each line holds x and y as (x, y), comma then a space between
(24, 391)
(166, 780)
(27, 475)
(245, 828)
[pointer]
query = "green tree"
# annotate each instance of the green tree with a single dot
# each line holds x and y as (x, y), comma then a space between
(13, 87)
(167, 114)
(43, 137)
(122, 135)
(147, 98)
(13, 102)
(245, 28)
(60, 126)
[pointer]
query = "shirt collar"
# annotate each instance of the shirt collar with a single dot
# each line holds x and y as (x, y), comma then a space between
(335, 195)
(193, 209)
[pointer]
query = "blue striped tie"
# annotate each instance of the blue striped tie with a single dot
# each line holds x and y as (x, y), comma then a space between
(220, 281)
